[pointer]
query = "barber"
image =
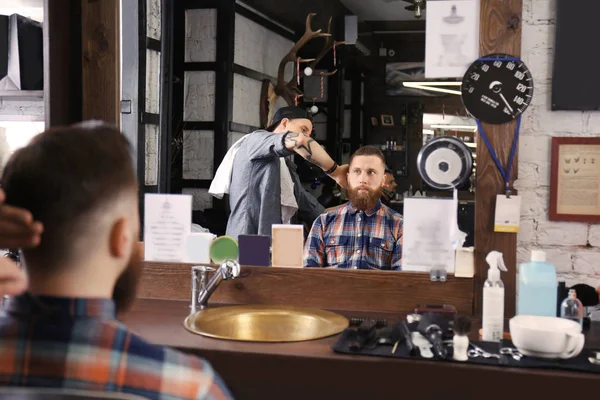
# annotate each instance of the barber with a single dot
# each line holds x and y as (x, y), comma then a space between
(257, 197)
(388, 191)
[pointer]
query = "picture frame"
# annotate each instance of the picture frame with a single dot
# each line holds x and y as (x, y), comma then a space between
(374, 121)
(387, 120)
(574, 173)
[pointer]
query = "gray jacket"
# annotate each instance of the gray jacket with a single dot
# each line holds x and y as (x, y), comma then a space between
(255, 190)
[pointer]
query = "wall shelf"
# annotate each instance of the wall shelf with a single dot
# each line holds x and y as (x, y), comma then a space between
(22, 94)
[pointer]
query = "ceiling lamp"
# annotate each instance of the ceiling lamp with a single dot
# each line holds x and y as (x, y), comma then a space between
(431, 86)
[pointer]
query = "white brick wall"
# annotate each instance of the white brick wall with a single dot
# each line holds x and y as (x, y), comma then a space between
(19, 109)
(574, 248)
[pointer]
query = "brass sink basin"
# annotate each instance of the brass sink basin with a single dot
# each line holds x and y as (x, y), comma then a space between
(265, 323)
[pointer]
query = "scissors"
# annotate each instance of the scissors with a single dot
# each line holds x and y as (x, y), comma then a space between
(514, 353)
(479, 352)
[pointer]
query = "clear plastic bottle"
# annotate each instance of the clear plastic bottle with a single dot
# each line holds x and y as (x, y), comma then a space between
(493, 299)
(537, 287)
(572, 308)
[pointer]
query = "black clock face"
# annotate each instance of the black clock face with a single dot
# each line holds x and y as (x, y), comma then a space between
(497, 88)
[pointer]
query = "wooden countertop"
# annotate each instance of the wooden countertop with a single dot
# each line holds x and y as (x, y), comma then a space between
(297, 370)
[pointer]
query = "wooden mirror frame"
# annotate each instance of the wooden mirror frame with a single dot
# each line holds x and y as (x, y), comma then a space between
(500, 32)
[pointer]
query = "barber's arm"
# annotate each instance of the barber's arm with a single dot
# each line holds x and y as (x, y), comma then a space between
(314, 249)
(264, 145)
(312, 152)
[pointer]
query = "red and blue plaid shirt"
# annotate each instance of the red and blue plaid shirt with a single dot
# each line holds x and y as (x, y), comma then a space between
(353, 239)
(77, 343)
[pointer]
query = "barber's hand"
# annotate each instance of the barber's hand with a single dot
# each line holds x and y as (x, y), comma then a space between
(340, 175)
(17, 227)
(13, 280)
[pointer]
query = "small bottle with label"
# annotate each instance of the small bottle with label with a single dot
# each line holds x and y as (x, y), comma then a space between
(572, 308)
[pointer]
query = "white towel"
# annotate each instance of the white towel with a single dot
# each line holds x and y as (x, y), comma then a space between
(222, 180)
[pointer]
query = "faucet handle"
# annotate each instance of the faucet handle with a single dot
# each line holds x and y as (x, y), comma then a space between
(231, 269)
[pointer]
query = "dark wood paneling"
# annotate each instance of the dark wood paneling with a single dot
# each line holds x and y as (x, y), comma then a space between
(334, 289)
(293, 14)
(62, 62)
(495, 37)
(250, 73)
(242, 128)
(311, 370)
(100, 74)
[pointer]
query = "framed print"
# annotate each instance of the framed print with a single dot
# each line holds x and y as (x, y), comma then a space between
(575, 179)
(387, 120)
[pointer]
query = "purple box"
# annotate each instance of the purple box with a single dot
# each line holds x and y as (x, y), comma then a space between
(255, 250)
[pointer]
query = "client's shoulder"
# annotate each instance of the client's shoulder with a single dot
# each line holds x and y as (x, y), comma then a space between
(390, 213)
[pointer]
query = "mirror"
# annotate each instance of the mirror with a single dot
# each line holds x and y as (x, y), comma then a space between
(213, 86)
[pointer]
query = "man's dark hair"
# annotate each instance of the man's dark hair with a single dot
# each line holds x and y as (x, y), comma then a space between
(368, 151)
(62, 177)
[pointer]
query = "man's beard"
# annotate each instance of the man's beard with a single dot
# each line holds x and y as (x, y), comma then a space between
(364, 200)
(125, 290)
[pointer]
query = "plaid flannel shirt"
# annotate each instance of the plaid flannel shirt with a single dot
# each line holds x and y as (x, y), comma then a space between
(77, 343)
(353, 239)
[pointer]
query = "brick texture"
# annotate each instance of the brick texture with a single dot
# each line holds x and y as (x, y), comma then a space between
(574, 248)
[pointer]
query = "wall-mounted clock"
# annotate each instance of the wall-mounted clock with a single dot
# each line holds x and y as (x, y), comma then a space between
(445, 163)
(497, 88)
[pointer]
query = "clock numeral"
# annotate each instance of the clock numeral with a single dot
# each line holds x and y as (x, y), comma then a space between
(497, 64)
(485, 67)
(471, 89)
(507, 111)
(521, 88)
(511, 65)
(518, 100)
(475, 76)
(519, 75)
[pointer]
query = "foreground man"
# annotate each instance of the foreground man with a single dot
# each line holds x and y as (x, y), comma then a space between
(257, 195)
(363, 233)
(80, 183)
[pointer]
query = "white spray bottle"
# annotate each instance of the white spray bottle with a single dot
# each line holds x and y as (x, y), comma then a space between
(493, 299)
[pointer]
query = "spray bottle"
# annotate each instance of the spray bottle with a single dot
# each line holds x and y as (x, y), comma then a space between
(493, 299)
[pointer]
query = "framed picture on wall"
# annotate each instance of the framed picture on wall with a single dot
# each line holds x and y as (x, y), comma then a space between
(574, 177)
(387, 120)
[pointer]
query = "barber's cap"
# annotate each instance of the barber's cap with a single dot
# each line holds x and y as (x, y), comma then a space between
(290, 112)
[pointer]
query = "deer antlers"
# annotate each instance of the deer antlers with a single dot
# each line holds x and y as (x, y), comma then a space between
(289, 91)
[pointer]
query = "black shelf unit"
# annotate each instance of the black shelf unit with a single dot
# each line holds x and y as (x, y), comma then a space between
(379, 136)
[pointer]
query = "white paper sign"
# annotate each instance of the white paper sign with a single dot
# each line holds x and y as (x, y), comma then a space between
(427, 243)
(508, 214)
(167, 223)
(451, 37)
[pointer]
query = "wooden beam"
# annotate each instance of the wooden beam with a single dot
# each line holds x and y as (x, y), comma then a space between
(100, 46)
(62, 62)
(500, 32)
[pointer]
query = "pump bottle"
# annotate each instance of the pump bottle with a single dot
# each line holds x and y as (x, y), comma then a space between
(493, 299)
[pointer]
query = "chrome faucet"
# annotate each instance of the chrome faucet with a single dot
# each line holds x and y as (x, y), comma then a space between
(202, 288)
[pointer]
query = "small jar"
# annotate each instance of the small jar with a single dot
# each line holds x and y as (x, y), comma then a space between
(460, 346)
